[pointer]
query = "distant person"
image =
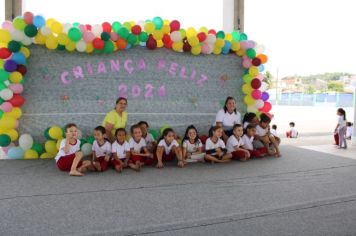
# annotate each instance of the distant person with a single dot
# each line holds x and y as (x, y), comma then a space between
(274, 131)
(292, 133)
(340, 128)
(349, 130)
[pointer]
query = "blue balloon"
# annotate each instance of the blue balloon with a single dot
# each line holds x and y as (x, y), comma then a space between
(19, 58)
(261, 68)
(39, 21)
(227, 46)
(15, 153)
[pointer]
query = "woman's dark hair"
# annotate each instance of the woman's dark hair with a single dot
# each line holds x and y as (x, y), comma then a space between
(119, 99)
(70, 125)
(165, 133)
(135, 126)
(101, 129)
(248, 117)
(213, 129)
(349, 123)
(342, 112)
(226, 101)
(186, 133)
(120, 130)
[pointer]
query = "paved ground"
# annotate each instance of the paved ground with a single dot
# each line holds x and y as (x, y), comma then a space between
(303, 193)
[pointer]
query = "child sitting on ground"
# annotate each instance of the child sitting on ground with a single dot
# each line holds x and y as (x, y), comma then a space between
(274, 130)
(292, 133)
(69, 157)
(120, 151)
(234, 144)
(139, 152)
(192, 145)
(101, 150)
(215, 150)
(150, 141)
(247, 140)
(263, 135)
(168, 149)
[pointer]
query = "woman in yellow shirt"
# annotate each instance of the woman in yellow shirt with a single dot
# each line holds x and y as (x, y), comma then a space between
(117, 118)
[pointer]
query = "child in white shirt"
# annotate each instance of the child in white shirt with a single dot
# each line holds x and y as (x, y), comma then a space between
(192, 145)
(215, 150)
(234, 144)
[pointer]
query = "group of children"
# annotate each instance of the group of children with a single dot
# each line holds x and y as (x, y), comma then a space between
(252, 139)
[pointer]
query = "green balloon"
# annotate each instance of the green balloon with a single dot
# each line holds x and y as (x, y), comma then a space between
(46, 134)
(4, 75)
(251, 53)
(105, 36)
(108, 47)
(5, 140)
(90, 139)
(158, 22)
(37, 147)
(2, 86)
(1, 112)
(132, 39)
(235, 35)
(143, 37)
(243, 36)
(123, 32)
(14, 46)
(30, 31)
(220, 34)
(74, 34)
(76, 24)
(116, 26)
(82, 142)
(154, 133)
(19, 23)
(61, 47)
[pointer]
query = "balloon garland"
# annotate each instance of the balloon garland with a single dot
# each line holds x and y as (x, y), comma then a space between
(27, 29)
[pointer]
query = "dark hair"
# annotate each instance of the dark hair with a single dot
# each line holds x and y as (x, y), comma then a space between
(143, 123)
(165, 133)
(265, 118)
(119, 99)
(186, 133)
(213, 129)
(292, 124)
(248, 117)
(250, 126)
(343, 112)
(69, 125)
(226, 101)
(236, 126)
(274, 126)
(349, 123)
(101, 129)
(135, 126)
(120, 130)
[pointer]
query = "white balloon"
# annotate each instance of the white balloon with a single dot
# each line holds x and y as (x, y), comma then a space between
(86, 149)
(259, 48)
(6, 94)
(81, 46)
(210, 38)
(259, 104)
(45, 30)
(97, 30)
(17, 35)
(26, 41)
(66, 27)
(176, 36)
(25, 141)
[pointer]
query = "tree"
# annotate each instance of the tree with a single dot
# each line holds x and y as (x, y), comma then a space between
(268, 78)
(310, 89)
(335, 86)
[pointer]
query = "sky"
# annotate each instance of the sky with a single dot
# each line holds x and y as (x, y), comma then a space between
(300, 36)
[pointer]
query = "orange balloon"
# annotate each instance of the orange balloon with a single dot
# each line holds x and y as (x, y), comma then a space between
(263, 58)
(121, 44)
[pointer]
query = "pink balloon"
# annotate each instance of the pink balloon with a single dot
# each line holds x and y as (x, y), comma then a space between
(16, 88)
(205, 48)
(28, 17)
(246, 63)
(256, 94)
(114, 36)
(244, 45)
(251, 44)
(6, 106)
(260, 76)
(7, 25)
(82, 28)
(5, 149)
(88, 36)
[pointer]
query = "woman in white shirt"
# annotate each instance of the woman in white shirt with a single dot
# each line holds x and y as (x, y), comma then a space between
(228, 117)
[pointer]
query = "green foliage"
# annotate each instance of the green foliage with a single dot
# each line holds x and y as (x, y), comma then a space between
(335, 86)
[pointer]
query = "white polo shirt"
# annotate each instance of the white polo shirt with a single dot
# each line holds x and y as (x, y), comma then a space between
(137, 146)
(120, 149)
(211, 145)
(247, 142)
(102, 150)
(261, 131)
(192, 147)
(228, 120)
(168, 148)
(233, 142)
(72, 149)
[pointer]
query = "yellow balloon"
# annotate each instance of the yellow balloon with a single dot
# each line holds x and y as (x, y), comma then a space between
(253, 71)
(51, 147)
(63, 39)
(50, 21)
(193, 41)
(47, 155)
(56, 27)
(219, 43)
(217, 50)
(204, 29)
(246, 89)
(58, 144)
(5, 36)
(127, 25)
(149, 27)
(12, 133)
(249, 100)
(240, 52)
(40, 38)
(157, 34)
(196, 50)
(166, 29)
(51, 42)
(55, 132)
(90, 47)
(235, 45)
(30, 154)
(70, 46)
(177, 46)
(16, 113)
(160, 43)
(191, 32)
(7, 123)
(166, 22)
(15, 77)
(25, 51)
(228, 37)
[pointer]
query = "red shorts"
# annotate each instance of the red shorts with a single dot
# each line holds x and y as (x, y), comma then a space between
(103, 164)
(64, 163)
(238, 154)
(168, 157)
(135, 158)
(116, 164)
(258, 152)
